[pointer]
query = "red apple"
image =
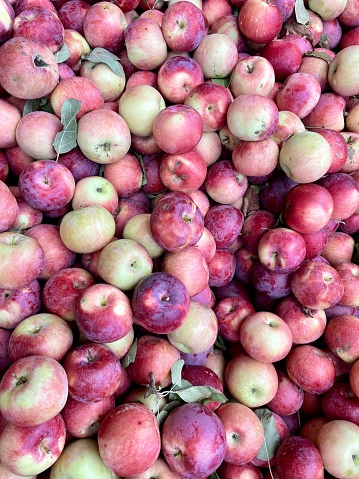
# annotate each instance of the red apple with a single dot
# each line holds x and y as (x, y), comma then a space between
(288, 398)
(18, 304)
(230, 313)
(297, 457)
(345, 194)
(259, 21)
(224, 183)
(72, 14)
(183, 172)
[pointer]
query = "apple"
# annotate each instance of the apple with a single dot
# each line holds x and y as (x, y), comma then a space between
(141, 101)
(138, 228)
(327, 12)
(311, 427)
(118, 449)
(112, 18)
(124, 174)
(244, 432)
(228, 24)
(123, 263)
(343, 62)
(351, 139)
(34, 336)
(340, 402)
(198, 332)
(310, 368)
(225, 223)
(48, 30)
(224, 183)
(95, 190)
(211, 100)
(169, 137)
(327, 113)
(265, 337)
(243, 471)
(345, 193)
(251, 382)
(308, 208)
(252, 117)
(184, 172)
(281, 249)
(307, 325)
(288, 398)
(213, 10)
(317, 285)
(252, 75)
(60, 292)
(189, 266)
(103, 313)
(221, 268)
(273, 285)
(27, 216)
(93, 372)
(81, 458)
(9, 118)
(110, 84)
(284, 56)
(318, 157)
(7, 15)
(209, 147)
(184, 455)
(145, 44)
(28, 69)
(77, 46)
(259, 21)
(339, 248)
(256, 158)
(349, 272)
(338, 446)
(18, 304)
(160, 303)
(217, 55)
(231, 313)
(72, 15)
(176, 222)
(23, 251)
(254, 226)
(33, 390)
(159, 469)
(340, 338)
(24, 457)
(10, 209)
(315, 242)
(297, 457)
(183, 26)
(273, 193)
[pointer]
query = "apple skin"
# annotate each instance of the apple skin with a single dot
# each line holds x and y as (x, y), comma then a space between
(297, 457)
(9, 119)
(243, 378)
(176, 222)
(33, 390)
(345, 194)
(103, 313)
(93, 372)
(200, 375)
(340, 337)
(23, 251)
(159, 469)
(145, 45)
(160, 303)
(272, 195)
(289, 396)
(87, 229)
(252, 117)
(138, 228)
(230, 313)
(92, 190)
(18, 304)
(307, 325)
(129, 180)
(200, 458)
(46, 185)
(211, 100)
(274, 285)
(27, 59)
(243, 471)
(260, 22)
(183, 27)
(72, 15)
(79, 88)
(343, 62)
(34, 336)
(166, 133)
(81, 459)
(300, 364)
(338, 444)
(265, 337)
(10, 210)
(125, 449)
(28, 451)
(244, 432)
(112, 18)
(349, 272)
(61, 291)
(189, 266)
(155, 355)
(308, 208)
(221, 268)
(254, 226)
(225, 223)
(198, 332)
(224, 183)
(327, 113)
(256, 158)
(284, 56)
(83, 419)
(281, 250)
(41, 25)
(340, 402)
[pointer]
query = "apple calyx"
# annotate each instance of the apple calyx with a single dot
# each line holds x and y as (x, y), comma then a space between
(39, 62)
(20, 380)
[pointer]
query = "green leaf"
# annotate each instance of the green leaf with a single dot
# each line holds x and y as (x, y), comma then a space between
(271, 436)
(66, 139)
(222, 81)
(63, 54)
(214, 475)
(321, 55)
(130, 356)
(199, 394)
(220, 343)
(176, 371)
(301, 13)
(35, 105)
(101, 55)
(163, 414)
(144, 176)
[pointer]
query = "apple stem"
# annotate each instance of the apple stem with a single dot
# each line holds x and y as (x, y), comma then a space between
(39, 62)
(20, 380)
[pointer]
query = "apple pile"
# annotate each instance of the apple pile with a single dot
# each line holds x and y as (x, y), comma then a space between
(179, 237)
